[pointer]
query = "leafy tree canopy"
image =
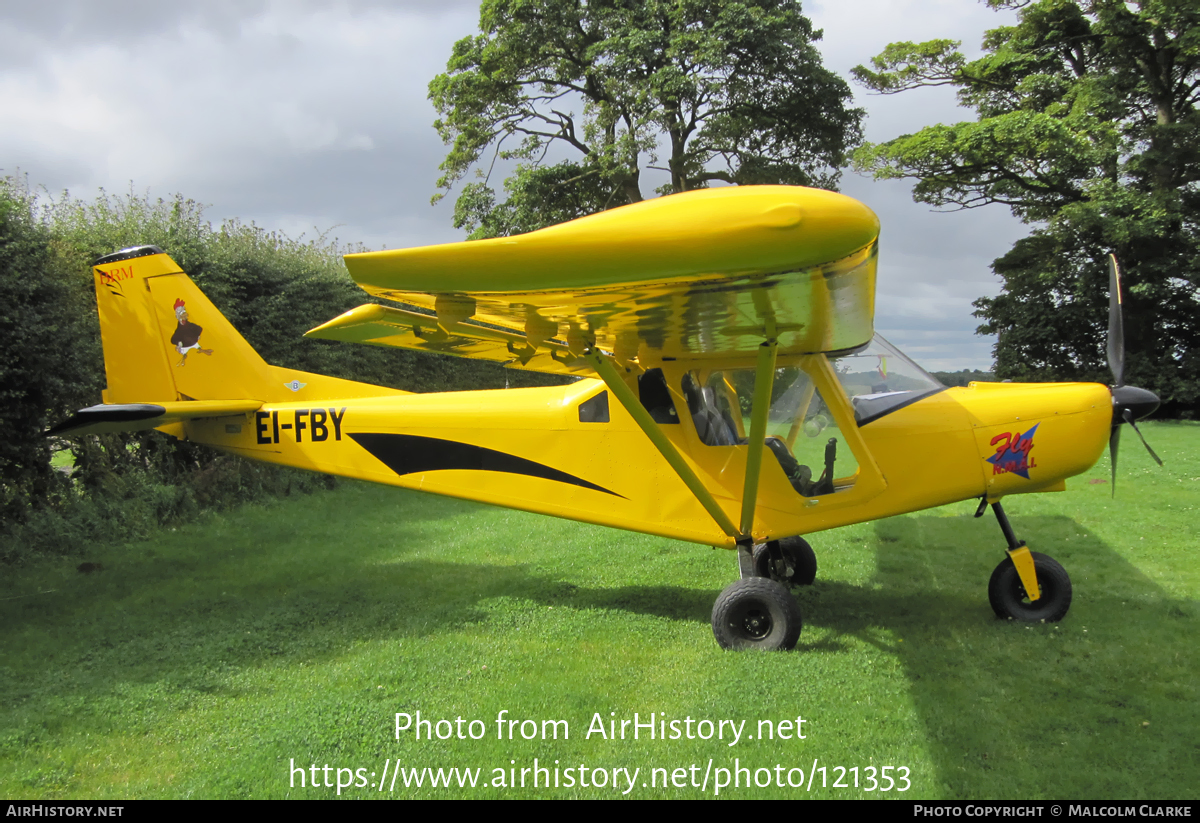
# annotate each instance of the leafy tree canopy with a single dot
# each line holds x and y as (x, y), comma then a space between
(1087, 128)
(728, 91)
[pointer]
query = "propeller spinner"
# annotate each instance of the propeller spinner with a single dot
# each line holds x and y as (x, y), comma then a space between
(1130, 403)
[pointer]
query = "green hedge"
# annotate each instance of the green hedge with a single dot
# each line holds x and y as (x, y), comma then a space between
(272, 288)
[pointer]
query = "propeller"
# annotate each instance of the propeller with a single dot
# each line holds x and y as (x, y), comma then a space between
(1130, 403)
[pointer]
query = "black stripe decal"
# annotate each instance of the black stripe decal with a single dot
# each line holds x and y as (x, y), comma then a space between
(410, 454)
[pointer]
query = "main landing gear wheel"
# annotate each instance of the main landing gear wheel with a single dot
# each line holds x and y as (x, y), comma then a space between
(1008, 597)
(799, 562)
(756, 613)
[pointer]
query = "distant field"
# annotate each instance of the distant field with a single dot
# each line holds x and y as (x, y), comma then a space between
(214, 660)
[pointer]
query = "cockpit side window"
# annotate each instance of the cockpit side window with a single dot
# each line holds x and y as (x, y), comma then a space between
(799, 424)
(594, 409)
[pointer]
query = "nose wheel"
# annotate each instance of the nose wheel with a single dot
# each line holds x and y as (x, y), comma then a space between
(1010, 601)
(1010, 590)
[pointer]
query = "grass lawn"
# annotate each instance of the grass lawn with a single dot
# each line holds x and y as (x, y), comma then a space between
(213, 660)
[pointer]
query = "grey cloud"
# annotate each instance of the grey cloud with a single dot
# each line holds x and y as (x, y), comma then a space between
(312, 117)
(75, 21)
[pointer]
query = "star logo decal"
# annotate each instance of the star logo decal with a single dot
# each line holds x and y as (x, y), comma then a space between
(1012, 453)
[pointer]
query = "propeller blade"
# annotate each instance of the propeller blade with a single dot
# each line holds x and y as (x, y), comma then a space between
(1129, 420)
(1116, 323)
(1114, 440)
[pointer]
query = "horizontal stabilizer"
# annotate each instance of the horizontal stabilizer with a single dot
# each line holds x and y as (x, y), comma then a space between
(378, 325)
(125, 417)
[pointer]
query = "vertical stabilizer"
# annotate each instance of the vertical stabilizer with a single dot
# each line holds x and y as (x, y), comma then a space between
(164, 340)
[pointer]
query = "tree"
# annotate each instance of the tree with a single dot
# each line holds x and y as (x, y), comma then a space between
(725, 91)
(1088, 129)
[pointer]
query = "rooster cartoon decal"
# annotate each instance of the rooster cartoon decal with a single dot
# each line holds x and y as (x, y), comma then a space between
(187, 334)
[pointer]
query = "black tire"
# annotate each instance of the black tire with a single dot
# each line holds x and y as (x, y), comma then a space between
(756, 613)
(799, 559)
(1009, 600)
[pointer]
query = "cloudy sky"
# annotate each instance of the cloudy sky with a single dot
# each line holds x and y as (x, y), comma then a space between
(312, 117)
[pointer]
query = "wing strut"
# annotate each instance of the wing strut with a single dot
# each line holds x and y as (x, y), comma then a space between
(764, 381)
(604, 368)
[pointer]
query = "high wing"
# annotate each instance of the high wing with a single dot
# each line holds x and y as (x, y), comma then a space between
(704, 274)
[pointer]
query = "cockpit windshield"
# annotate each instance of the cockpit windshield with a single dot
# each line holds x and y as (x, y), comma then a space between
(880, 379)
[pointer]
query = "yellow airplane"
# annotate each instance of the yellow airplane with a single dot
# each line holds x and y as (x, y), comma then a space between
(732, 391)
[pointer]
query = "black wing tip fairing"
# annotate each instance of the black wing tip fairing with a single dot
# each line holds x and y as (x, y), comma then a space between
(127, 254)
(93, 415)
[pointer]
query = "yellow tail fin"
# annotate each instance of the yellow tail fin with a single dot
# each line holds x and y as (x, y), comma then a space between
(165, 341)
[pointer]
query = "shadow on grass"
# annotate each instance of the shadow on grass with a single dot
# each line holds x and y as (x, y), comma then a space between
(1105, 704)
